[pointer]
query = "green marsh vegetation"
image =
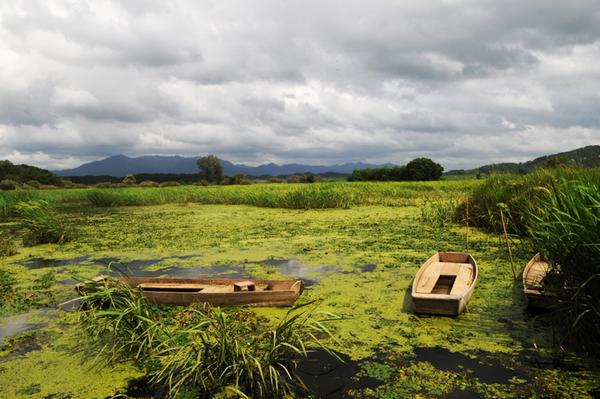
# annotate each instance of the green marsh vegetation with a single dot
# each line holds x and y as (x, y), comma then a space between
(387, 225)
(559, 211)
(201, 351)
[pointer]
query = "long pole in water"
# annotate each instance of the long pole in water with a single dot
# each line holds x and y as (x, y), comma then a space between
(467, 224)
(512, 264)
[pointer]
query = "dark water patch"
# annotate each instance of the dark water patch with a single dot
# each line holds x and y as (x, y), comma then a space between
(329, 377)
(490, 372)
(141, 388)
(41, 263)
(12, 325)
(22, 345)
(292, 267)
(368, 268)
(466, 394)
(229, 271)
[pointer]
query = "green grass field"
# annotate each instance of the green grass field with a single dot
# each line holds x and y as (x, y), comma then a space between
(360, 244)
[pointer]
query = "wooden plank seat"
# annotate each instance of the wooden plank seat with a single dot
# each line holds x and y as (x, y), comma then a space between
(244, 286)
(463, 279)
(448, 269)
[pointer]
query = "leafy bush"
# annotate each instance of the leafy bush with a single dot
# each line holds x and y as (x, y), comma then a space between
(149, 183)
(201, 351)
(128, 180)
(42, 223)
(34, 184)
(419, 169)
(8, 185)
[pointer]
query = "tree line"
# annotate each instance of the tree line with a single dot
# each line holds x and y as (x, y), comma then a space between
(419, 169)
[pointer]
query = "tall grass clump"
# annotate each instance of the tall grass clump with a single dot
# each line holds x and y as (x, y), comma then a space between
(439, 213)
(201, 351)
(567, 230)
(42, 223)
(10, 199)
(519, 196)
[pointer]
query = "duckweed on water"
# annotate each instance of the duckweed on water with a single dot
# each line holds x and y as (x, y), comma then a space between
(376, 304)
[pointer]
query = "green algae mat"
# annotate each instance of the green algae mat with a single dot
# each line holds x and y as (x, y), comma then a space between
(358, 262)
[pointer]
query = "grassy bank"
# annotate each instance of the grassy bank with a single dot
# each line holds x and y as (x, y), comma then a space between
(291, 196)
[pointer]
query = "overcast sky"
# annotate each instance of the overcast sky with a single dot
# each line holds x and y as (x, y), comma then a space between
(463, 82)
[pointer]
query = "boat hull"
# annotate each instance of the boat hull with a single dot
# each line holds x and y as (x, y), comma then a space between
(533, 276)
(278, 293)
(439, 303)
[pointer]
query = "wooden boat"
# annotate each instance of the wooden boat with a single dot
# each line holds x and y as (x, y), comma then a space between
(216, 291)
(444, 284)
(533, 282)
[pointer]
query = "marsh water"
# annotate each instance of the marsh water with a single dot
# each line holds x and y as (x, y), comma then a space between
(357, 263)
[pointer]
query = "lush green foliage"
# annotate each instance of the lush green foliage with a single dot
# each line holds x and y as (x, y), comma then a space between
(560, 210)
(419, 169)
(24, 173)
(203, 351)
(520, 196)
(211, 169)
(42, 223)
(567, 231)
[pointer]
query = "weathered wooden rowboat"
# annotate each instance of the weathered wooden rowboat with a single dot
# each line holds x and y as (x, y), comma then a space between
(217, 291)
(533, 282)
(445, 283)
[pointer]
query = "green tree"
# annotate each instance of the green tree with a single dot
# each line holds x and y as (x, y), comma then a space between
(423, 169)
(211, 169)
(129, 179)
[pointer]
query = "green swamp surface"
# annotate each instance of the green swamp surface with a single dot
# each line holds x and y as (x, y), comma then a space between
(359, 262)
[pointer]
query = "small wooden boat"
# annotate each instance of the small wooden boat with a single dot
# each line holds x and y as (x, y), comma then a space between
(444, 284)
(216, 291)
(533, 282)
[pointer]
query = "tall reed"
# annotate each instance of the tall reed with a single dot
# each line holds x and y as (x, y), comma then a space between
(42, 223)
(567, 230)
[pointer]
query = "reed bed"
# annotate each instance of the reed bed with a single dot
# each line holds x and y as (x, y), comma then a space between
(292, 196)
(567, 230)
(519, 196)
(559, 210)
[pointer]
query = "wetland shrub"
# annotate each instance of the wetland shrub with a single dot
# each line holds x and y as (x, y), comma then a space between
(201, 351)
(42, 222)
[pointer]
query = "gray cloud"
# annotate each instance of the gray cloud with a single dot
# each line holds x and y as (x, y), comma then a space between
(465, 82)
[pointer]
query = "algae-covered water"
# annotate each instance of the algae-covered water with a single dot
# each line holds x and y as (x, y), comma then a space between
(359, 262)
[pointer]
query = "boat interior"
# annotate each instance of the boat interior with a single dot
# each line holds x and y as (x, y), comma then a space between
(204, 288)
(535, 276)
(446, 277)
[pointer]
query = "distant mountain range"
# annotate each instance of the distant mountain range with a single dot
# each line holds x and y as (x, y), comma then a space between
(585, 156)
(121, 165)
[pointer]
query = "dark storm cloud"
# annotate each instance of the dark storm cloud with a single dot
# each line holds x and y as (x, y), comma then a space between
(465, 82)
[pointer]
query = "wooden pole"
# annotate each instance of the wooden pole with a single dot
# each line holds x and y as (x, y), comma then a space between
(512, 263)
(467, 224)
